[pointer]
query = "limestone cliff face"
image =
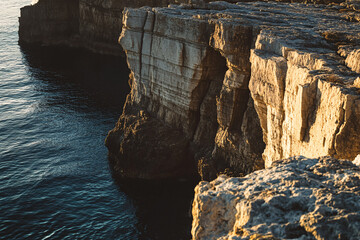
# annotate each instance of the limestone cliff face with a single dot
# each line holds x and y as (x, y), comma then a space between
(304, 91)
(92, 24)
(214, 75)
(178, 79)
(297, 198)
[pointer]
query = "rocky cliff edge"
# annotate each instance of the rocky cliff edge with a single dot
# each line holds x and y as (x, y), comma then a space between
(237, 86)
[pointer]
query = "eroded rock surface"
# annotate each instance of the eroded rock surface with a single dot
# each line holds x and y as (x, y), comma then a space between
(297, 198)
(218, 72)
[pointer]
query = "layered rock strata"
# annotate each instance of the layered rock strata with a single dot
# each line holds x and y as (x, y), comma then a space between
(214, 75)
(297, 198)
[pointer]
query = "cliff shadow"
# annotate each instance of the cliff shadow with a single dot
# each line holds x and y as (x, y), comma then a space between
(163, 207)
(88, 78)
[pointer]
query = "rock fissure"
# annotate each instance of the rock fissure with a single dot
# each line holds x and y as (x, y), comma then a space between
(208, 90)
(141, 45)
(340, 123)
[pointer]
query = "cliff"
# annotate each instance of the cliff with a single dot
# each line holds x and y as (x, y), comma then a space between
(91, 24)
(94, 24)
(297, 198)
(215, 81)
(231, 88)
(49, 21)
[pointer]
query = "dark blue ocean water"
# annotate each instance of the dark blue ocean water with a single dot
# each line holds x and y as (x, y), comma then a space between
(56, 107)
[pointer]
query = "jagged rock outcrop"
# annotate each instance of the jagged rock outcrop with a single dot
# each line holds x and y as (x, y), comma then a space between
(304, 90)
(297, 198)
(203, 71)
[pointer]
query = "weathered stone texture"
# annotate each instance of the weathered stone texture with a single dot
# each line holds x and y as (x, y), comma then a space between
(176, 75)
(190, 66)
(188, 85)
(297, 198)
(304, 96)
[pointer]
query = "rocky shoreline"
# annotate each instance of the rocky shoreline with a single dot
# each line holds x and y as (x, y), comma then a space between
(231, 88)
(222, 78)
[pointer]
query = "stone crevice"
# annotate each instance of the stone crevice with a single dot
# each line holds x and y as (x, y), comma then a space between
(340, 123)
(310, 112)
(208, 91)
(141, 45)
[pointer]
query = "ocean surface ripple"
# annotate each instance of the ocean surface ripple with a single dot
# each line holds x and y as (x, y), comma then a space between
(56, 106)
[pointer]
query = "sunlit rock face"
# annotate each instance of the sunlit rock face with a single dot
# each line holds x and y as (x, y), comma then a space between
(235, 79)
(306, 97)
(178, 79)
(297, 198)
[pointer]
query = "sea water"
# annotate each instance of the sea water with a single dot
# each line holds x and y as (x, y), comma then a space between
(56, 107)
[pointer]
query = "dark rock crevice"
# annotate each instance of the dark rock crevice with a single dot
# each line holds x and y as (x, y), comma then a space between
(208, 92)
(238, 144)
(141, 45)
